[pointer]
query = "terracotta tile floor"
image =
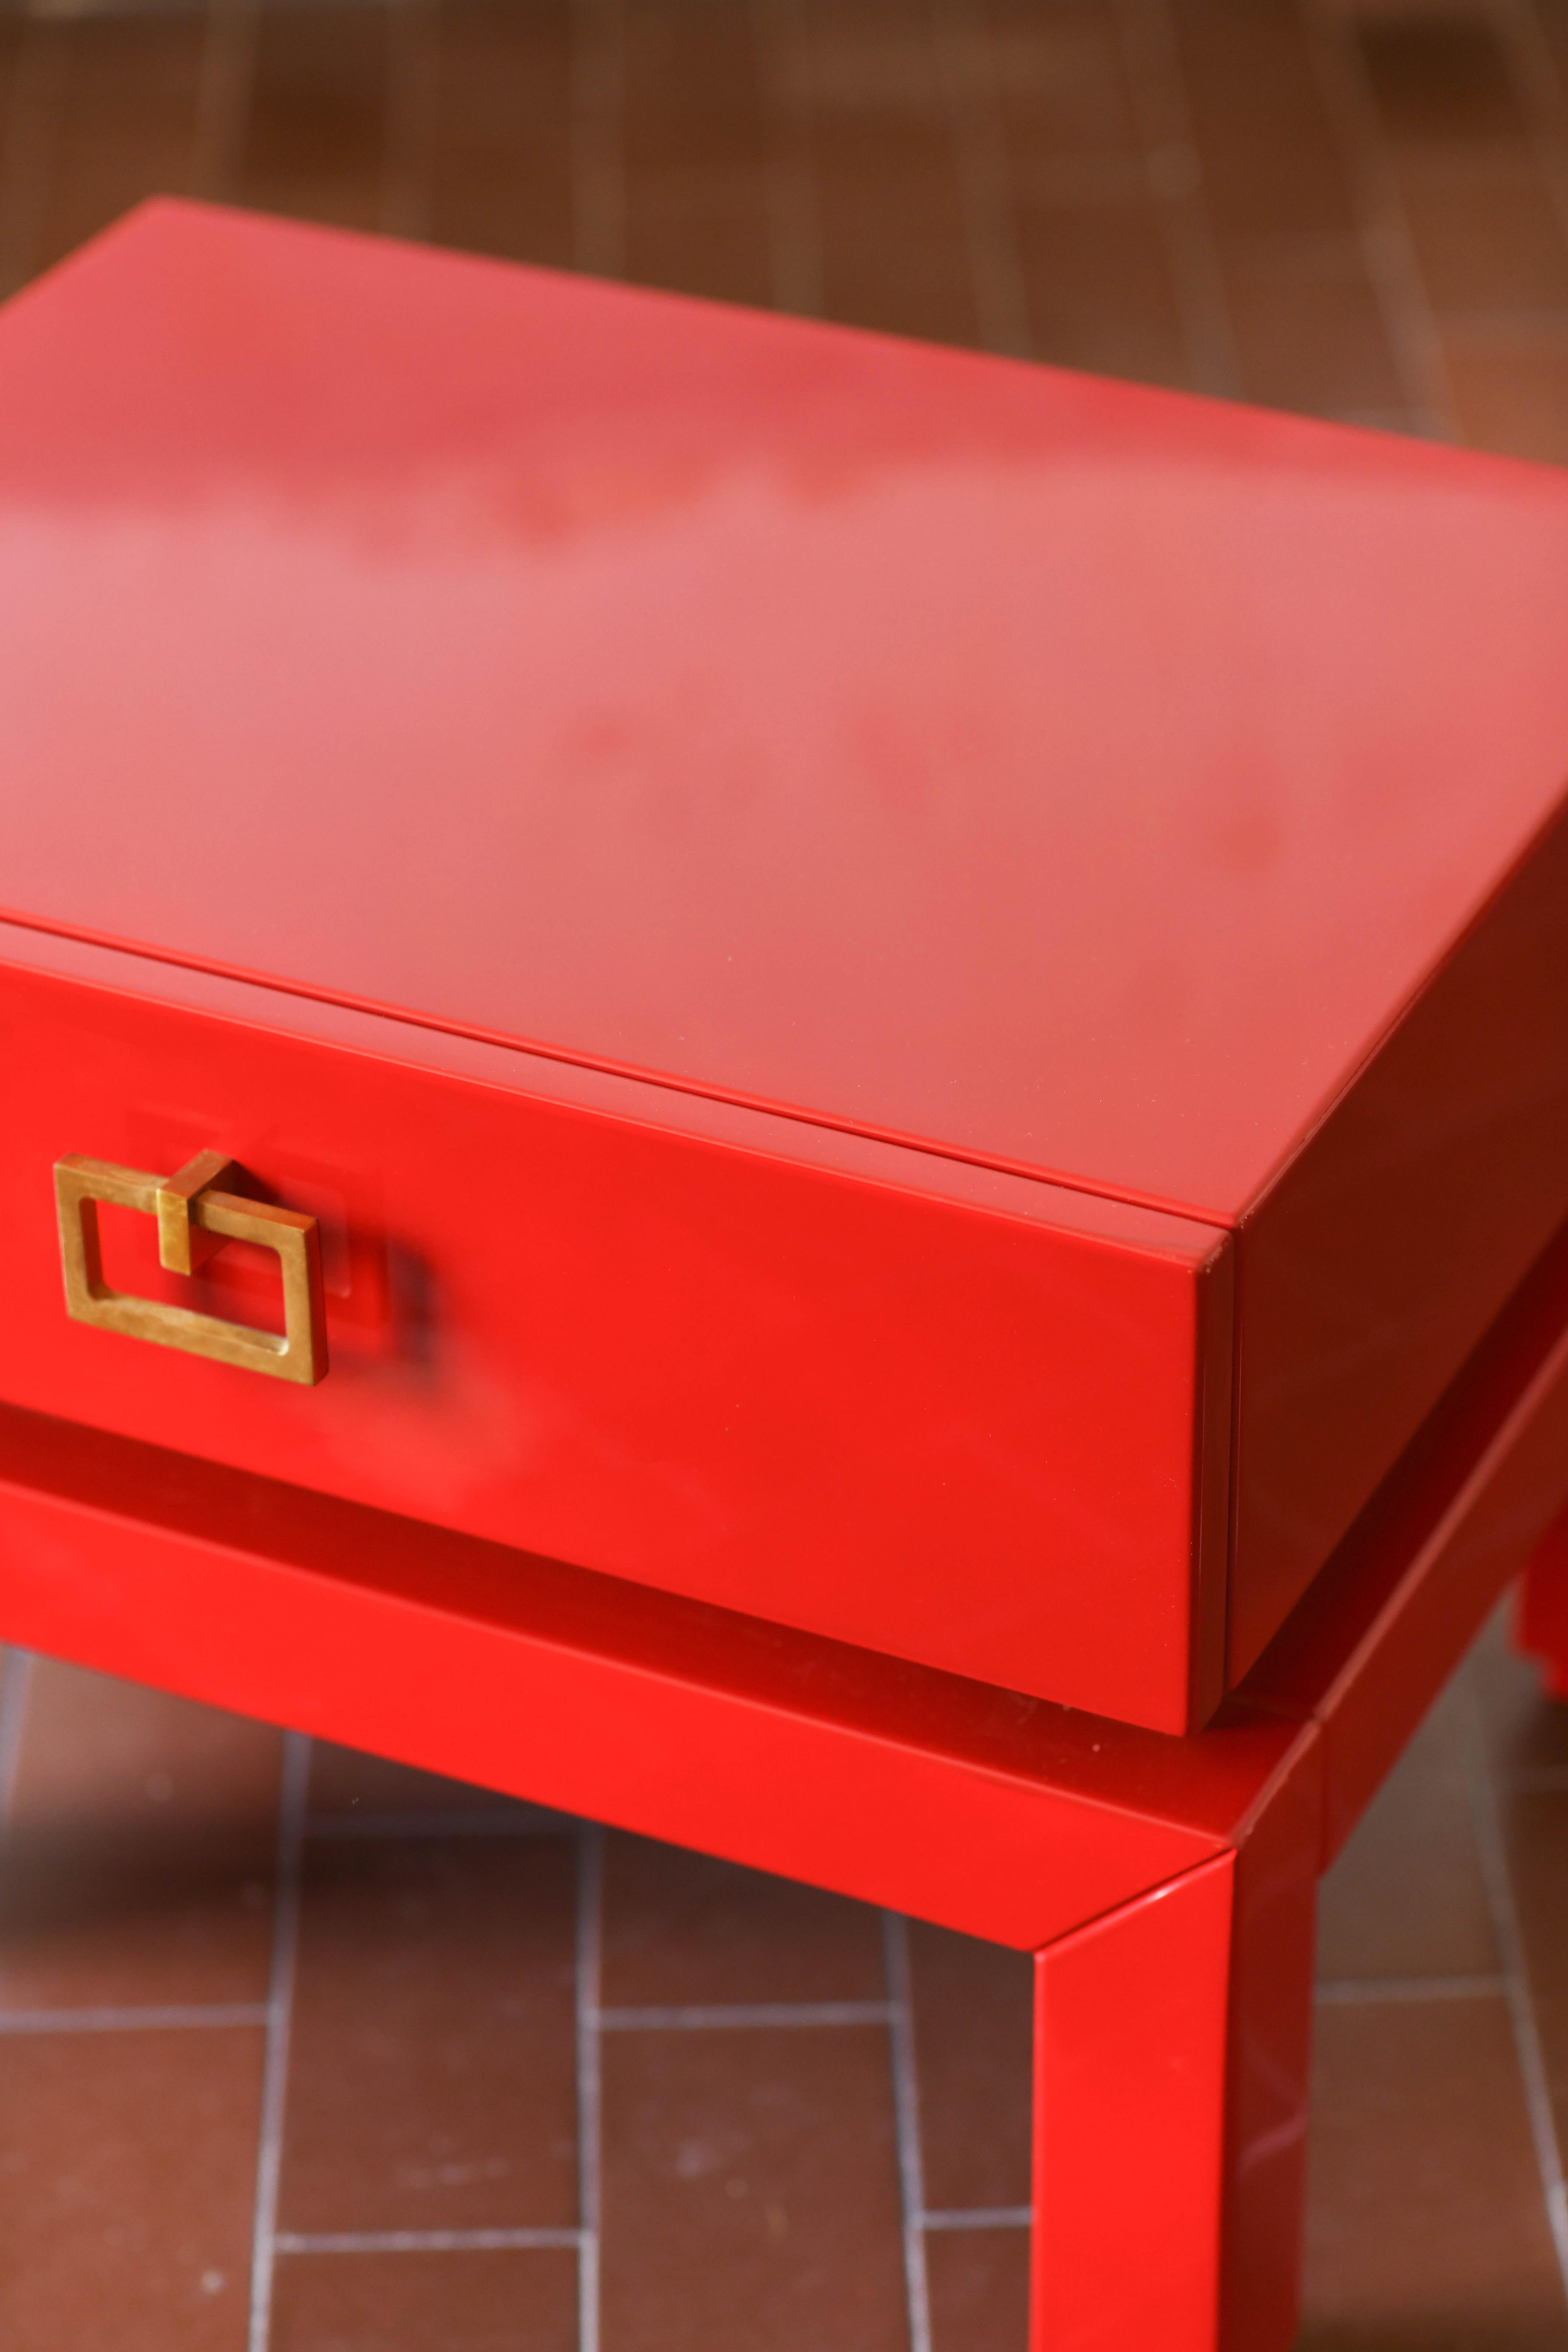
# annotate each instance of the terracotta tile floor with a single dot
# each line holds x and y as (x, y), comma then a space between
(304, 2052)
(301, 2052)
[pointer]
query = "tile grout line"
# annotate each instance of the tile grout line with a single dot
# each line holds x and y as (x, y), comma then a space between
(598, 164)
(1540, 83)
(279, 2007)
(408, 116)
(478, 1820)
(15, 1675)
(16, 1680)
(28, 139)
(1346, 1992)
(979, 2217)
(178, 2017)
(1384, 230)
(590, 1945)
(222, 95)
(1512, 326)
(795, 219)
(906, 2125)
(740, 2017)
(1501, 1903)
(420, 2242)
(997, 280)
(1173, 174)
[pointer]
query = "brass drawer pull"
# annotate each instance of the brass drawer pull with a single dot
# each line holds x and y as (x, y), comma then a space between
(194, 1221)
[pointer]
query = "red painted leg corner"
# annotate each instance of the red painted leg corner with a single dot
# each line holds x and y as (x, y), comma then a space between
(1541, 1622)
(1171, 2049)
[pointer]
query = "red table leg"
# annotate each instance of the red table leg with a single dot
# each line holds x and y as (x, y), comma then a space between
(1542, 1624)
(1172, 2050)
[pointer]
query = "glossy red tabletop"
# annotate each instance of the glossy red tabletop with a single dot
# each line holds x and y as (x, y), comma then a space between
(1059, 774)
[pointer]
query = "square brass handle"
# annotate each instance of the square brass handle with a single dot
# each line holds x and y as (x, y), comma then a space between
(194, 1221)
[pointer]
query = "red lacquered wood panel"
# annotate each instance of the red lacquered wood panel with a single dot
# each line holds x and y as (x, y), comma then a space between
(1071, 776)
(958, 1430)
(1372, 1267)
(1001, 1816)
(1392, 1615)
(1171, 2061)
(1174, 2025)
(1273, 1940)
(1131, 2025)
(1541, 1627)
(1008, 1816)
(1142, 798)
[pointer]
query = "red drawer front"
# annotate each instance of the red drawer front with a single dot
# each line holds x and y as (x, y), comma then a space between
(956, 1416)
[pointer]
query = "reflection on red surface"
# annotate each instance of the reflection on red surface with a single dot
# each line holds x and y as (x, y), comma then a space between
(1073, 776)
(1136, 792)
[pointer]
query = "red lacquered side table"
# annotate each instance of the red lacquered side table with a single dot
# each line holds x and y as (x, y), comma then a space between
(805, 1093)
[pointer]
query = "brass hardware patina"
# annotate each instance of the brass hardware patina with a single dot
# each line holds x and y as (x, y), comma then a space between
(194, 1221)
